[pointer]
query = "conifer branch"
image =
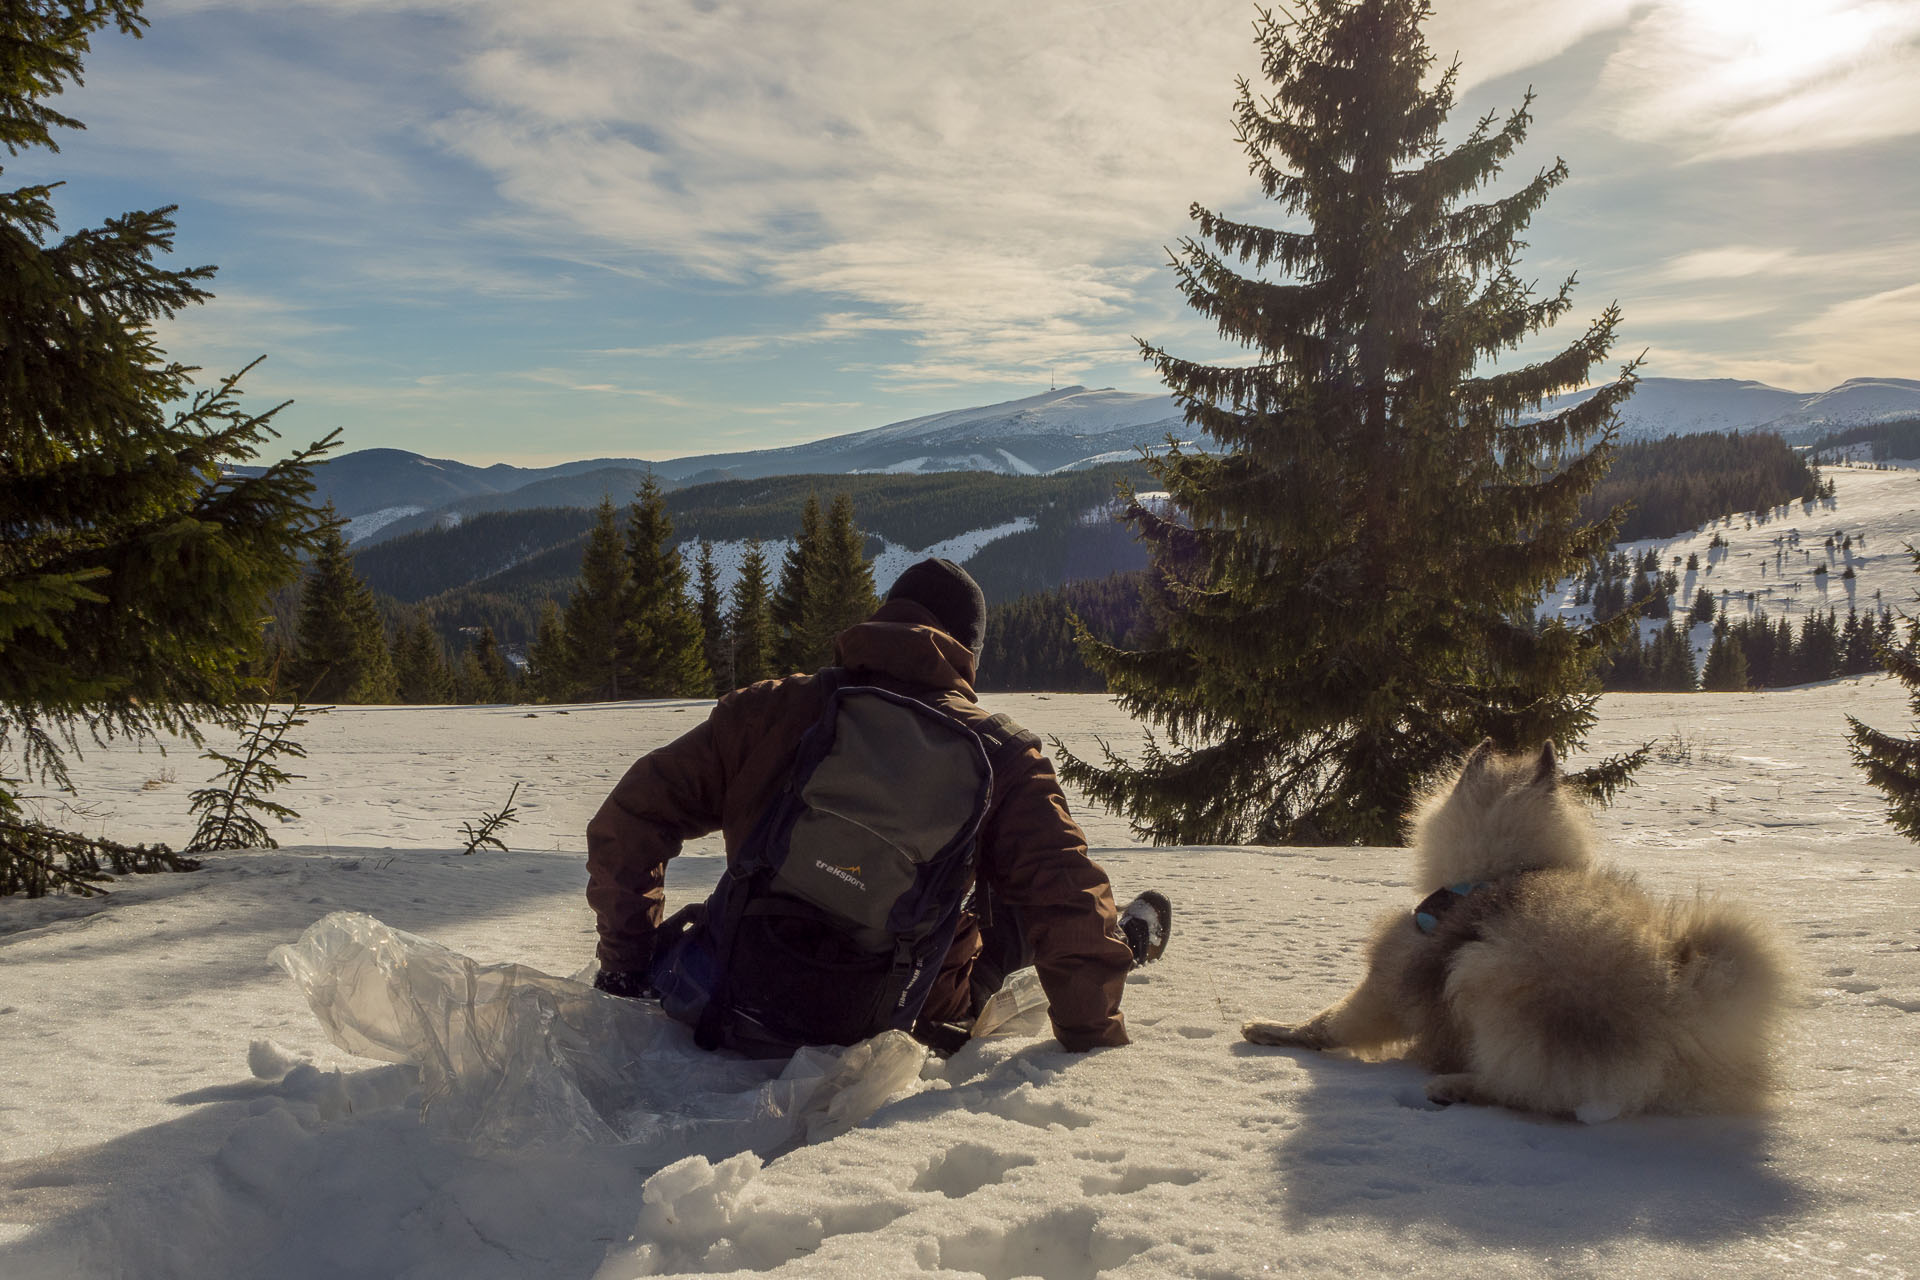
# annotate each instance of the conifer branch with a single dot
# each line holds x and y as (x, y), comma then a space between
(36, 859)
(482, 836)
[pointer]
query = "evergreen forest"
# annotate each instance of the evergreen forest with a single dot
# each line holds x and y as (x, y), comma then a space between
(1678, 483)
(1898, 438)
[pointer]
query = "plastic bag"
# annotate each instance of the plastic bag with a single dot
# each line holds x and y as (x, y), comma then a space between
(510, 1056)
(1015, 1008)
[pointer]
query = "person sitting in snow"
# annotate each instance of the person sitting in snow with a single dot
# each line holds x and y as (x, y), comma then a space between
(1038, 898)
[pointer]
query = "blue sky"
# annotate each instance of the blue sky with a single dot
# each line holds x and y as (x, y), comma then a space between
(528, 231)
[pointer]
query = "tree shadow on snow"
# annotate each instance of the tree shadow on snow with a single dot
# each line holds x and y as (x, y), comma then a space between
(322, 1174)
(1367, 1142)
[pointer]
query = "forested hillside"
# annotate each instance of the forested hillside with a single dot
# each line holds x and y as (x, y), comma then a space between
(1030, 643)
(1681, 482)
(1884, 440)
(417, 565)
(496, 569)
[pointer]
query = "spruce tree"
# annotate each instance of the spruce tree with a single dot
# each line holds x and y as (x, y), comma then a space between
(547, 658)
(1348, 586)
(1669, 661)
(1726, 668)
(750, 619)
(713, 622)
(666, 645)
(137, 559)
(841, 590)
(340, 650)
(793, 646)
(1703, 605)
(1818, 651)
(596, 617)
(485, 673)
(231, 809)
(420, 671)
(1892, 762)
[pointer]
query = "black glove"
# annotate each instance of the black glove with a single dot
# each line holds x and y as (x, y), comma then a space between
(630, 983)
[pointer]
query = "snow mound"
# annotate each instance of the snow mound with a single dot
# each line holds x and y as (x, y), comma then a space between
(512, 1057)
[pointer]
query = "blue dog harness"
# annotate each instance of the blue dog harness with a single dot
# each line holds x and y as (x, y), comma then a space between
(1426, 916)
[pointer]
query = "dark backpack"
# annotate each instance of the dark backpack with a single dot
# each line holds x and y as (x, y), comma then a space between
(832, 921)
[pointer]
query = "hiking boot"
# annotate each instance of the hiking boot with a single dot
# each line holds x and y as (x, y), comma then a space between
(1146, 922)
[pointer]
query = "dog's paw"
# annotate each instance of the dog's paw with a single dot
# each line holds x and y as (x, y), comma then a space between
(1447, 1090)
(1296, 1035)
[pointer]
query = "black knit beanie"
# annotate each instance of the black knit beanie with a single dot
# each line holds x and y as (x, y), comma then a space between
(950, 594)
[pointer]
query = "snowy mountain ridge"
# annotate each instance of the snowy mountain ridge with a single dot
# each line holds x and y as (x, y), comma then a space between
(1064, 429)
(1684, 406)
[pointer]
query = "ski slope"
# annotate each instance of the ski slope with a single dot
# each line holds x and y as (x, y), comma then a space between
(170, 1107)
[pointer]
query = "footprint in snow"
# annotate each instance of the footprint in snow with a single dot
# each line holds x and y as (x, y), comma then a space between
(965, 1169)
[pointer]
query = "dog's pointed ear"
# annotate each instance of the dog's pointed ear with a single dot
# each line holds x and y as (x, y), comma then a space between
(1478, 759)
(1547, 771)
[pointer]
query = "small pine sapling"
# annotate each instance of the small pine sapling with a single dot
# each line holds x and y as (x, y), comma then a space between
(482, 836)
(231, 808)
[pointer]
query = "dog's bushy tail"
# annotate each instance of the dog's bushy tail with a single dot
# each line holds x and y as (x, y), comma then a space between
(1731, 981)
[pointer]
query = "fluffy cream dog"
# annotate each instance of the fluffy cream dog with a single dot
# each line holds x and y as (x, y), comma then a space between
(1529, 977)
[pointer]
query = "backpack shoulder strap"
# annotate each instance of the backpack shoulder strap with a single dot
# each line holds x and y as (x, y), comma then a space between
(1003, 737)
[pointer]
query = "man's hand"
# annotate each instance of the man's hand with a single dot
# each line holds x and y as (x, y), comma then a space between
(630, 983)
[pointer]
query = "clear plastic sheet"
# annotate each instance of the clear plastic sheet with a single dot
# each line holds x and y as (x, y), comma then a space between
(510, 1056)
(1016, 1007)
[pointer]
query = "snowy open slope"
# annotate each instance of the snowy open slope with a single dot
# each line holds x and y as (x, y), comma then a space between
(137, 1139)
(1773, 558)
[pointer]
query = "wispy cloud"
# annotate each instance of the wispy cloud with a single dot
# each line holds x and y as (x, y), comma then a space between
(830, 327)
(1873, 332)
(1496, 37)
(985, 182)
(237, 326)
(1718, 78)
(568, 381)
(627, 211)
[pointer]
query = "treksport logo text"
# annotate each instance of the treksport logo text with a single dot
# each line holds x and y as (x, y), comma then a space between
(843, 873)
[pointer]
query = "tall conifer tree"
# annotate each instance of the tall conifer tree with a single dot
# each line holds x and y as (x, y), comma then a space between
(1726, 668)
(596, 617)
(1348, 585)
(420, 670)
(136, 560)
(713, 622)
(841, 590)
(750, 620)
(793, 646)
(484, 674)
(547, 658)
(341, 650)
(666, 643)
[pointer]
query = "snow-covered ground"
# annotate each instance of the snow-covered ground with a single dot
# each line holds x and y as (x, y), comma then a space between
(159, 1116)
(1773, 559)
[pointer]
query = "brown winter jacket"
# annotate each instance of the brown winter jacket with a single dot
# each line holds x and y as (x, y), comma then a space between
(725, 772)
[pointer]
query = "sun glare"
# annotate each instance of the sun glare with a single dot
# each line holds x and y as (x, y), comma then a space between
(1759, 48)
